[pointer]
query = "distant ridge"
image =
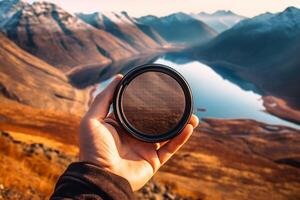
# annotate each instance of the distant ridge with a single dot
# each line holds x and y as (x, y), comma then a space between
(220, 20)
(179, 28)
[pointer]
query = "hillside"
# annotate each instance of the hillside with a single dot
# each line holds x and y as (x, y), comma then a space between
(30, 81)
(263, 50)
(180, 28)
(61, 39)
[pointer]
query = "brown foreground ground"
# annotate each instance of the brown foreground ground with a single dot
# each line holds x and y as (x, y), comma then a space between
(224, 159)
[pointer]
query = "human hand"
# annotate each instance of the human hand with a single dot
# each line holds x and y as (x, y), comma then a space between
(105, 143)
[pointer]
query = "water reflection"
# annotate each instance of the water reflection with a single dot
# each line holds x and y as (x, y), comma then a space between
(215, 96)
(217, 93)
(90, 75)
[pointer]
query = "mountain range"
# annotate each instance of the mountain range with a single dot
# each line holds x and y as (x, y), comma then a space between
(262, 50)
(220, 20)
(63, 40)
(67, 41)
(42, 44)
(124, 27)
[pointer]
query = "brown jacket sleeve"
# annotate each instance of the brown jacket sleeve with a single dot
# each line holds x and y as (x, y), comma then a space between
(87, 181)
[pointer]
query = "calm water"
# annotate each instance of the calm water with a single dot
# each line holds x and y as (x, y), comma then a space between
(217, 97)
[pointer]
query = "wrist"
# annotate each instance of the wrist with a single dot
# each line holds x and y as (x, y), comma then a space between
(113, 167)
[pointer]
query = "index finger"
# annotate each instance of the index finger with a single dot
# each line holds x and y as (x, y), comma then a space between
(100, 106)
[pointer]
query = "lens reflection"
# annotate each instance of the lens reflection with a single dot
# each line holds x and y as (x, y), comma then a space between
(153, 103)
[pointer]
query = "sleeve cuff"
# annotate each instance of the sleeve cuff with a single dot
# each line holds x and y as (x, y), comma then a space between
(94, 179)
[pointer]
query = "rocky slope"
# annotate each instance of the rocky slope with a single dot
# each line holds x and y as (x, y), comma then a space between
(123, 27)
(63, 40)
(263, 50)
(180, 28)
(30, 81)
(220, 20)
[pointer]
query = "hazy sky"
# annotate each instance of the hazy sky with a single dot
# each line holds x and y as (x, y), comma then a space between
(137, 8)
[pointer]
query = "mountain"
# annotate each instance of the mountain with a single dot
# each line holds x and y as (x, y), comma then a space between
(148, 30)
(264, 50)
(28, 80)
(220, 20)
(180, 28)
(63, 40)
(123, 27)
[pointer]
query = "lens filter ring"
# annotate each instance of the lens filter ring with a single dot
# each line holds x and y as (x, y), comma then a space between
(128, 79)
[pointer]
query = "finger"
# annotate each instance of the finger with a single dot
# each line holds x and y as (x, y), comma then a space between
(102, 101)
(159, 145)
(93, 90)
(194, 121)
(173, 145)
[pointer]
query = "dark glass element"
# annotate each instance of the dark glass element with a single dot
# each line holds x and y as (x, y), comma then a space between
(153, 103)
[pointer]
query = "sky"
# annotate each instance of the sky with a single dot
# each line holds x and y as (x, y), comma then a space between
(136, 8)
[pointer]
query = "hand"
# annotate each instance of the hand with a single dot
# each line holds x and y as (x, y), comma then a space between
(104, 143)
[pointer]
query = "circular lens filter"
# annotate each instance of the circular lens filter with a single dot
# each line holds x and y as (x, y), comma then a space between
(153, 102)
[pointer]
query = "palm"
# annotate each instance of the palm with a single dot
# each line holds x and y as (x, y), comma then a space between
(135, 160)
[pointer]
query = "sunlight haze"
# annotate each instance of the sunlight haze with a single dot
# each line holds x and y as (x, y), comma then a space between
(138, 8)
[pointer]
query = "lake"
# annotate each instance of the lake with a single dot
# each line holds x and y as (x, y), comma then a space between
(215, 95)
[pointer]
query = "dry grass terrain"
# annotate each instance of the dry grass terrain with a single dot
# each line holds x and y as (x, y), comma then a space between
(237, 159)
(59, 126)
(224, 159)
(29, 170)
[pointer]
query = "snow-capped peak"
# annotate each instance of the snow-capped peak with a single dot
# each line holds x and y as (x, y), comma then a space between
(223, 13)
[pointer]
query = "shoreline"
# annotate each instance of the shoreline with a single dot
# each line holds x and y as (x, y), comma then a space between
(279, 107)
(150, 53)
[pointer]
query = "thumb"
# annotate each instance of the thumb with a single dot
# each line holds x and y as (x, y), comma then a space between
(100, 106)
